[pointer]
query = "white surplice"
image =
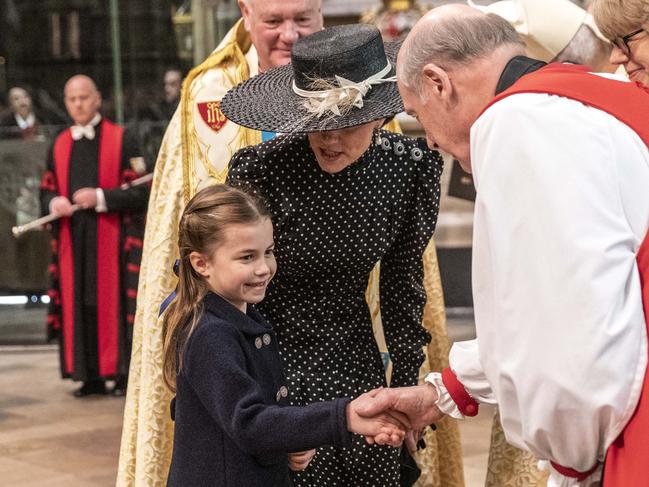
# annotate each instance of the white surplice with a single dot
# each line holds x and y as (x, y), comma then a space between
(562, 208)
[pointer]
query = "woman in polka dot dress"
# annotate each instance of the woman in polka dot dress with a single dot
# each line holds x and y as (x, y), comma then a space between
(343, 195)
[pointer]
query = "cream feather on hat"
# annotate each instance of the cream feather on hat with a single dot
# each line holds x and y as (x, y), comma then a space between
(546, 26)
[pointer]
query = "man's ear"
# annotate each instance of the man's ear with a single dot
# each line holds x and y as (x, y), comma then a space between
(245, 13)
(200, 263)
(437, 82)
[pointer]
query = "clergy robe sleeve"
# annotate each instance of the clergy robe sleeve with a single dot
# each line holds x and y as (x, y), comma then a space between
(559, 319)
(49, 185)
(473, 379)
(133, 198)
(402, 293)
(215, 367)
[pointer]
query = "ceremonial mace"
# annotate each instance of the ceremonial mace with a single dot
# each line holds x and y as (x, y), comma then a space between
(20, 229)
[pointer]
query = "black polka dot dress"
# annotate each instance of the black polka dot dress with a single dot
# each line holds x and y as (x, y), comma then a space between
(330, 230)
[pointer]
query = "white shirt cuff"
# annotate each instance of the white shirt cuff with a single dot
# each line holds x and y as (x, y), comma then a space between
(444, 401)
(101, 201)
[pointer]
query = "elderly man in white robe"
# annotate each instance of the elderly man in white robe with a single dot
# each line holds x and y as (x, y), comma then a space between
(561, 166)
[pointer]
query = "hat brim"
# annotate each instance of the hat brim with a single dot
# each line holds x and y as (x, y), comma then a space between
(267, 102)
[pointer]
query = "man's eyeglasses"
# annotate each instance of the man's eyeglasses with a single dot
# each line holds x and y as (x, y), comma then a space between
(623, 42)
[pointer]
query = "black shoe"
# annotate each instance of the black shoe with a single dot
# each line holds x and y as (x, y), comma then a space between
(119, 389)
(92, 387)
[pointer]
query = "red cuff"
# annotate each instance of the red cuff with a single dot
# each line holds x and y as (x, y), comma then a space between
(465, 403)
(573, 474)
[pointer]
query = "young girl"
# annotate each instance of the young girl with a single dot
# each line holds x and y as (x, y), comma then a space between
(233, 426)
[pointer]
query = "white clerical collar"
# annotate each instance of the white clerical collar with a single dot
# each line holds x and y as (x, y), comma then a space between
(87, 131)
(25, 123)
(95, 120)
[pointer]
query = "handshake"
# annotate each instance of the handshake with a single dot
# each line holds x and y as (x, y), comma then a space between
(388, 416)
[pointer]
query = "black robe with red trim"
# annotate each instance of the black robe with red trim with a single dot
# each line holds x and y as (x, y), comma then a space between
(96, 256)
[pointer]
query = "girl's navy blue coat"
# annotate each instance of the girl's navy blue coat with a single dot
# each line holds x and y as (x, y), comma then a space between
(233, 423)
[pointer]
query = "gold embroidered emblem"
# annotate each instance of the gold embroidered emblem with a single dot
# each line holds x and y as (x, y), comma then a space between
(212, 115)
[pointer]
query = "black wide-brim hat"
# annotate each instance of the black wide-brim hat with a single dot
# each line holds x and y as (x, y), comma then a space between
(354, 52)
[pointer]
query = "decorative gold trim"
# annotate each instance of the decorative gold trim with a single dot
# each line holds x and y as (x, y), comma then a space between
(231, 54)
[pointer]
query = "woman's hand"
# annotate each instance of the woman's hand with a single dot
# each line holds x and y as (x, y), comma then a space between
(412, 438)
(300, 460)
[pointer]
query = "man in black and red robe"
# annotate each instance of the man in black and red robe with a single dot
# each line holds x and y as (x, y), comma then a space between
(97, 248)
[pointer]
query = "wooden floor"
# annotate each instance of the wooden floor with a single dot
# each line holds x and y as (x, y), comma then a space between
(49, 438)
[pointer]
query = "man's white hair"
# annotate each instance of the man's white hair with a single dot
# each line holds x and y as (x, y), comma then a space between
(452, 41)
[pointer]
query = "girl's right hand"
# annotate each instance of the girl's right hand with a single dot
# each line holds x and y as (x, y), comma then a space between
(384, 428)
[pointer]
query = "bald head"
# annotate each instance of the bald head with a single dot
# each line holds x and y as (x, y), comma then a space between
(448, 69)
(454, 36)
(82, 99)
(80, 80)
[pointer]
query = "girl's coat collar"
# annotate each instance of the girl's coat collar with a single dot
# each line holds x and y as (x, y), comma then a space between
(250, 323)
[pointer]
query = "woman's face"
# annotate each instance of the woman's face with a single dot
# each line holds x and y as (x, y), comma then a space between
(336, 149)
(636, 63)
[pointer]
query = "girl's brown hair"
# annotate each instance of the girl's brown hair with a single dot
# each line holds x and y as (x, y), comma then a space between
(201, 229)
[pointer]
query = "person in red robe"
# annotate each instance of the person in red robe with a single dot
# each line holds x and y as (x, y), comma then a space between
(97, 248)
